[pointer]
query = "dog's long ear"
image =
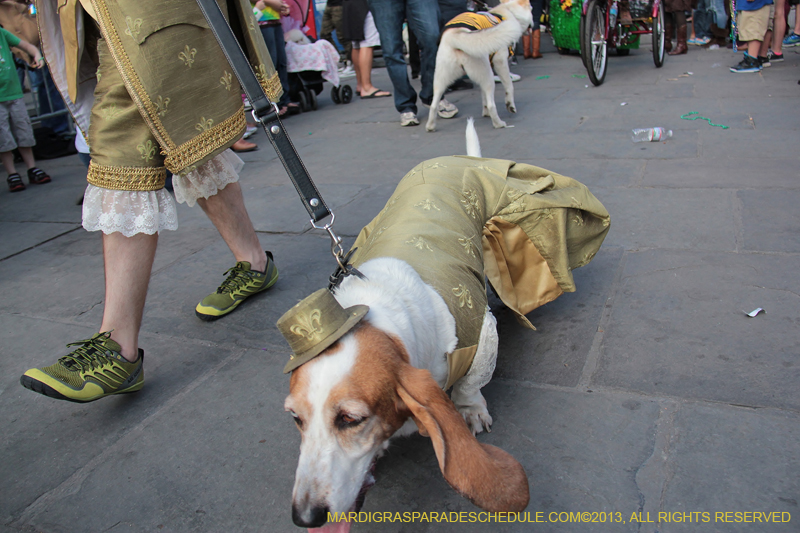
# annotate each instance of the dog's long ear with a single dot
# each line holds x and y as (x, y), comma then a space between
(487, 476)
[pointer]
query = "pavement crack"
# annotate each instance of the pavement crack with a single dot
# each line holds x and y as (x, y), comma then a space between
(654, 475)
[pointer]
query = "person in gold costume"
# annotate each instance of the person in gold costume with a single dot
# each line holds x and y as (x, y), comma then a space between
(148, 83)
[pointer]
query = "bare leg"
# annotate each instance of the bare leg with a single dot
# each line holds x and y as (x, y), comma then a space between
(27, 155)
(779, 25)
(362, 62)
(8, 162)
(227, 211)
(128, 263)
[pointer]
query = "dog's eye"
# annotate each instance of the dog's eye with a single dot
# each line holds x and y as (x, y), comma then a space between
(344, 421)
(297, 420)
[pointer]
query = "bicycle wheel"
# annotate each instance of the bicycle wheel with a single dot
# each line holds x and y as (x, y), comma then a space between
(596, 52)
(658, 37)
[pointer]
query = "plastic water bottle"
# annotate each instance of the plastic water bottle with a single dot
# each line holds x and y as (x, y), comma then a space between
(612, 15)
(643, 135)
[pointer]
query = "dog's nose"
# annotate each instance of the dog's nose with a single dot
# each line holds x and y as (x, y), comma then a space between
(313, 517)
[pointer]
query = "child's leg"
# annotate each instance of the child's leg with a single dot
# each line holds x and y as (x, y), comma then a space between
(27, 156)
(8, 162)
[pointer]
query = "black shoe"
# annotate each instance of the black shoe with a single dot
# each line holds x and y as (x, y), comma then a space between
(748, 64)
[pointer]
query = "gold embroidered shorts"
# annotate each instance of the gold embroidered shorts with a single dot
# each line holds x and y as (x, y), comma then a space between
(125, 154)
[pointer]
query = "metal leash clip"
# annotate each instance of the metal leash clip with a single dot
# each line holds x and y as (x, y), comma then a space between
(344, 269)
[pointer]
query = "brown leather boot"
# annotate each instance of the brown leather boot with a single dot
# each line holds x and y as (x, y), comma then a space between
(527, 45)
(536, 41)
(668, 29)
(681, 47)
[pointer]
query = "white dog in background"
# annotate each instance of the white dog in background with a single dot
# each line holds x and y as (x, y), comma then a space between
(475, 52)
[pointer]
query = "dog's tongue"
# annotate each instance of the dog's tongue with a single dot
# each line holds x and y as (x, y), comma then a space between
(332, 527)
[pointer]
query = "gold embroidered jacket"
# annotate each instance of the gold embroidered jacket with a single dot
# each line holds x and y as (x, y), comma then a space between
(457, 220)
(170, 62)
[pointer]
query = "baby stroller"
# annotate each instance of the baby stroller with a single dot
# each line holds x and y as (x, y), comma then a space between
(304, 87)
(310, 64)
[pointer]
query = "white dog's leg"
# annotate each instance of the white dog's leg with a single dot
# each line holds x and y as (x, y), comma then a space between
(480, 71)
(500, 63)
(447, 71)
(466, 394)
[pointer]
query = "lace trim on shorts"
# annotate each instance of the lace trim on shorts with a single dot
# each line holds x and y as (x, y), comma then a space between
(208, 179)
(128, 212)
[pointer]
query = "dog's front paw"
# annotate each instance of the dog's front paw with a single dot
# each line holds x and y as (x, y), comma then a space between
(477, 418)
(430, 127)
(500, 124)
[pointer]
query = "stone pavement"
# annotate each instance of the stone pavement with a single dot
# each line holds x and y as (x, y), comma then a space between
(647, 391)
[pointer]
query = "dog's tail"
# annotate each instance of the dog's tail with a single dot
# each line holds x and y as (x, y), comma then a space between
(473, 143)
(484, 42)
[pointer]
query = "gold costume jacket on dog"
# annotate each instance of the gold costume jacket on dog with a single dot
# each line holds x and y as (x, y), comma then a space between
(458, 219)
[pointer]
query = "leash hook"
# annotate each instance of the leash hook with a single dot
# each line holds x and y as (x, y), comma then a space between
(336, 241)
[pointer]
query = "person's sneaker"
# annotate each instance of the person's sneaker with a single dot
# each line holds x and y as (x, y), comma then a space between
(748, 64)
(514, 77)
(94, 369)
(347, 72)
(773, 57)
(249, 131)
(699, 41)
(408, 118)
(446, 109)
(240, 284)
(791, 40)
(764, 61)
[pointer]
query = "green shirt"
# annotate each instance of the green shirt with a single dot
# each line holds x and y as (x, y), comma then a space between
(10, 89)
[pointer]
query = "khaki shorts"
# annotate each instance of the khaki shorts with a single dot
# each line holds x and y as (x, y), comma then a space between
(753, 24)
(15, 125)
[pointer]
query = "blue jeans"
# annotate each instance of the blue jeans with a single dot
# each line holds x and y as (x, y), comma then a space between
(273, 37)
(702, 19)
(423, 18)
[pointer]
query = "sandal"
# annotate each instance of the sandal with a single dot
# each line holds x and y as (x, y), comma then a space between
(37, 176)
(15, 183)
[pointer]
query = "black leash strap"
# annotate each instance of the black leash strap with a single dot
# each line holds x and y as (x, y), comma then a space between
(266, 114)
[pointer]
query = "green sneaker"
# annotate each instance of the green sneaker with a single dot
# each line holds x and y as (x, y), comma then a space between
(93, 370)
(240, 284)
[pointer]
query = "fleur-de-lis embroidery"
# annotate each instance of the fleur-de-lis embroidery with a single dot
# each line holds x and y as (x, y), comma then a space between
(111, 112)
(467, 244)
(463, 295)
(308, 326)
(187, 56)
(413, 171)
(470, 203)
(161, 105)
(544, 213)
(435, 165)
(204, 124)
(226, 80)
(578, 218)
(487, 169)
(134, 27)
(516, 206)
(419, 243)
(147, 149)
(427, 204)
(576, 203)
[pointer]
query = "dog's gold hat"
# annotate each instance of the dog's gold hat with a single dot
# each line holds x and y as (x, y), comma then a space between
(314, 324)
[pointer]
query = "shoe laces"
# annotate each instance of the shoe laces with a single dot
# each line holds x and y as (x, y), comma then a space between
(238, 277)
(89, 354)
